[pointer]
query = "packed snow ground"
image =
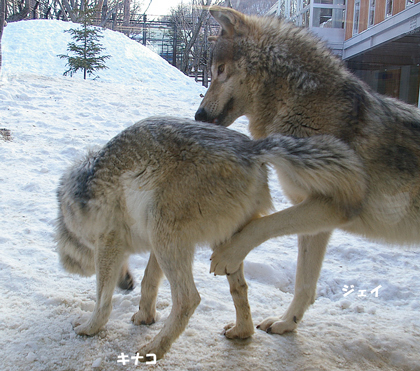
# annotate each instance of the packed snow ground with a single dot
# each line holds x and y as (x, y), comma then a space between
(54, 120)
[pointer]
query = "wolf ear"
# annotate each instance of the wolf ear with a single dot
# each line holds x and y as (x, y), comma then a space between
(232, 21)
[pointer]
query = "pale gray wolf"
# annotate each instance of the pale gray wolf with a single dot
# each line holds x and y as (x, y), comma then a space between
(287, 82)
(165, 185)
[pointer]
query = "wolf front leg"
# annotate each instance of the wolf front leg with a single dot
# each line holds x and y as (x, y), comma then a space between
(149, 289)
(109, 257)
(310, 256)
(244, 327)
(313, 220)
(310, 217)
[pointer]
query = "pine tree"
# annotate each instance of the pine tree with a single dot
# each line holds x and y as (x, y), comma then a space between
(85, 47)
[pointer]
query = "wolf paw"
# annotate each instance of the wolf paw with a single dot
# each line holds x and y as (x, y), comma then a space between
(233, 331)
(143, 318)
(149, 354)
(226, 259)
(276, 325)
(86, 329)
(126, 282)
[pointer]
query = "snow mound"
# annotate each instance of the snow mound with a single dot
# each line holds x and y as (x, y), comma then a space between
(27, 43)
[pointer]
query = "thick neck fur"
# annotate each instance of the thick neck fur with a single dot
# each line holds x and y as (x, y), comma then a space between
(294, 71)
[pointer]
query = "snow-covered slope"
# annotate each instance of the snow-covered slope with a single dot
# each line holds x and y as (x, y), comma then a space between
(53, 120)
(32, 47)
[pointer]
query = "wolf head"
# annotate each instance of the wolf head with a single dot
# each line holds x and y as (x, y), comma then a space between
(261, 66)
(227, 97)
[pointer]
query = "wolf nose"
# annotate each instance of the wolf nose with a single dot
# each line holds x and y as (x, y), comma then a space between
(201, 115)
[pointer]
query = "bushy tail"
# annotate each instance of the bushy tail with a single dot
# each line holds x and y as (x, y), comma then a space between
(320, 166)
(75, 257)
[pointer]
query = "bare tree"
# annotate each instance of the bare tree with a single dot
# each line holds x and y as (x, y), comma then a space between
(193, 25)
(70, 10)
(189, 21)
(66, 10)
(22, 13)
(126, 20)
(181, 18)
(199, 14)
(259, 7)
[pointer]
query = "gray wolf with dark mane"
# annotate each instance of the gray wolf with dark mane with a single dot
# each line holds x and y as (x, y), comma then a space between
(287, 82)
(165, 185)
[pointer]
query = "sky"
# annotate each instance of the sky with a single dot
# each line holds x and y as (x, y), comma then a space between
(160, 7)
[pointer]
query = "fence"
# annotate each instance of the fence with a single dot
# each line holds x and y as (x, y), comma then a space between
(162, 37)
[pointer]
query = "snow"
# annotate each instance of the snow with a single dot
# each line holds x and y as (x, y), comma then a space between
(55, 119)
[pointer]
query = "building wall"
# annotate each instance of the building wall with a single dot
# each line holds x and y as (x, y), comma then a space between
(398, 6)
(364, 14)
(376, 54)
(380, 10)
(349, 19)
(398, 82)
(382, 49)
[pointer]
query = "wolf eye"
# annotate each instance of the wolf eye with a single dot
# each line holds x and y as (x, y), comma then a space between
(220, 69)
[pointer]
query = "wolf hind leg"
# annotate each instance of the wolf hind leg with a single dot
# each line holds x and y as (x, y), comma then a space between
(244, 327)
(125, 280)
(149, 289)
(176, 263)
(109, 257)
(310, 256)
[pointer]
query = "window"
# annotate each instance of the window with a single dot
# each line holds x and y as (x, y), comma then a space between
(332, 2)
(294, 6)
(371, 20)
(328, 18)
(356, 17)
(388, 9)
(306, 18)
